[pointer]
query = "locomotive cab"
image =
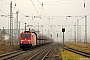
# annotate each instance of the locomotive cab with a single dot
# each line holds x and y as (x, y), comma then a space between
(27, 39)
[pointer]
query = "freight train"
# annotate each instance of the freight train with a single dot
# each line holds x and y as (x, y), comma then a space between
(32, 39)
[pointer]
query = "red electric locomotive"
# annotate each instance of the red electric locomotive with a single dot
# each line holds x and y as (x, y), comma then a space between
(27, 39)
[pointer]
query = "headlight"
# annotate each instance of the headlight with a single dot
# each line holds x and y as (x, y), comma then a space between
(28, 40)
(22, 40)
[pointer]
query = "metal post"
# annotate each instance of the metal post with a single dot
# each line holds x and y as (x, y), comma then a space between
(11, 25)
(85, 29)
(19, 32)
(17, 27)
(80, 33)
(57, 42)
(8, 26)
(42, 33)
(38, 32)
(57, 38)
(71, 35)
(38, 28)
(75, 32)
(4, 38)
(68, 36)
(63, 41)
(42, 29)
(63, 30)
(25, 26)
(77, 29)
(3, 34)
(17, 21)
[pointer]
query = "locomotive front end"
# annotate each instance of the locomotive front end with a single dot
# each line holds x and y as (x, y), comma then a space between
(25, 40)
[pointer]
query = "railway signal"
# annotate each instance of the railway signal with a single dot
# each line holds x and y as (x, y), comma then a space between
(57, 38)
(63, 30)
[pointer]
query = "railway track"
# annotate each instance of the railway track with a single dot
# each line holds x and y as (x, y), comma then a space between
(42, 54)
(11, 54)
(85, 54)
(82, 53)
(53, 54)
(21, 55)
(47, 53)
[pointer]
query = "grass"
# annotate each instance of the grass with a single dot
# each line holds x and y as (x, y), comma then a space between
(66, 55)
(79, 46)
(5, 48)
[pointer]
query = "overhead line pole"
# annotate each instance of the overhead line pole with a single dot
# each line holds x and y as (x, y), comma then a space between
(38, 28)
(11, 25)
(80, 33)
(19, 32)
(85, 24)
(85, 29)
(17, 27)
(75, 32)
(68, 36)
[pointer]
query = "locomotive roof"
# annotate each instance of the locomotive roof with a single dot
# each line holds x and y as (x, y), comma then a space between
(26, 32)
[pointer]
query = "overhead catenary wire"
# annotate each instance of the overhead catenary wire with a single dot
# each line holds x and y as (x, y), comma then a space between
(83, 8)
(1, 8)
(38, 13)
(59, 2)
(4, 12)
(74, 22)
(45, 14)
(26, 15)
(5, 2)
(35, 7)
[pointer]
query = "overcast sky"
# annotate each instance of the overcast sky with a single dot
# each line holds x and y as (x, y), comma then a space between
(52, 12)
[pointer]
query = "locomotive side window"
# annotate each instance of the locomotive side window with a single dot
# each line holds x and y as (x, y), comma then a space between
(25, 35)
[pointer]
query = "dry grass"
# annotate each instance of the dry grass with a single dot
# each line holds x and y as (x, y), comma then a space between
(66, 55)
(79, 46)
(5, 48)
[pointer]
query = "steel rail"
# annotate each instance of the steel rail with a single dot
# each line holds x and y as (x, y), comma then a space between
(31, 58)
(82, 53)
(10, 55)
(47, 54)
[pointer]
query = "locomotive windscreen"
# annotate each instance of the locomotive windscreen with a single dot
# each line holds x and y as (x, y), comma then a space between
(25, 35)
